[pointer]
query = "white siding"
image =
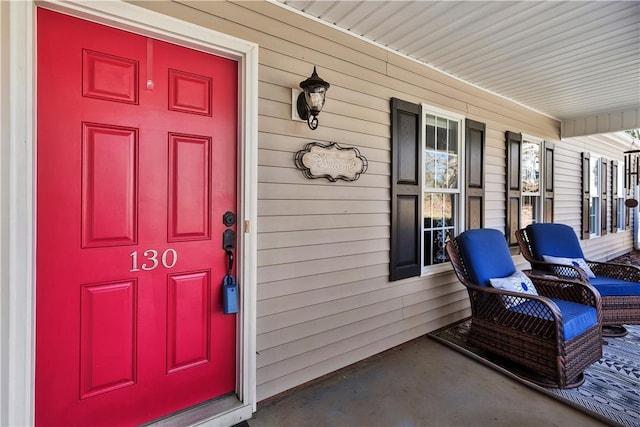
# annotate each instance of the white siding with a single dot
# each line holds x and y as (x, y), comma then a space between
(568, 191)
(324, 299)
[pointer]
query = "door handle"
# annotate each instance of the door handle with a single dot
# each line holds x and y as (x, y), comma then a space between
(229, 285)
(229, 262)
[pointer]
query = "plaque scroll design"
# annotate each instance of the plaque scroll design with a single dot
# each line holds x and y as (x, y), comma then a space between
(331, 161)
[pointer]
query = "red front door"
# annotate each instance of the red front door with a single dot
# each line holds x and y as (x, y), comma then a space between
(136, 164)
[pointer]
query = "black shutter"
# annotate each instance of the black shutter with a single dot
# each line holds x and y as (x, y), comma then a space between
(614, 196)
(514, 185)
(474, 159)
(406, 233)
(628, 195)
(627, 217)
(586, 174)
(548, 181)
(628, 185)
(604, 196)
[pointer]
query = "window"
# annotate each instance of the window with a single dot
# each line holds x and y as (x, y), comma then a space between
(429, 192)
(441, 186)
(594, 200)
(619, 200)
(595, 194)
(530, 172)
(530, 186)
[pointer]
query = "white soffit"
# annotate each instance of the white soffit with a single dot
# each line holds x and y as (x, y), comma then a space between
(614, 140)
(566, 59)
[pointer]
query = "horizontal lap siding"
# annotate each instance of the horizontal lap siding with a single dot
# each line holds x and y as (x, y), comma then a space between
(568, 204)
(324, 299)
(495, 175)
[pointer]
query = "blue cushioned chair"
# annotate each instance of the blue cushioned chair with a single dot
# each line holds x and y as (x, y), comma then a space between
(555, 334)
(618, 284)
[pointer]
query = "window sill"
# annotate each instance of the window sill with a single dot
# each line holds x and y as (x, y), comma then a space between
(437, 269)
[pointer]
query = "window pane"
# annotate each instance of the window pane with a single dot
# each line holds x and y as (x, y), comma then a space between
(621, 177)
(431, 132)
(430, 168)
(428, 211)
(621, 213)
(595, 176)
(443, 134)
(440, 156)
(440, 170)
(530, 167)
(434, 245)
(530, 210)
(452, 171)
(439, 222)
(453, 136)
(594, 215)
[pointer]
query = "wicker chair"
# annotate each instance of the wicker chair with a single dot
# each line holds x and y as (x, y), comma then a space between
(618, 284)
(554, 335)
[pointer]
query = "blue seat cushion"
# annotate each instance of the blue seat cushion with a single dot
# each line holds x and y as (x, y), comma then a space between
(485, 254)
(608, 286)
(576, 318)
(553, 239)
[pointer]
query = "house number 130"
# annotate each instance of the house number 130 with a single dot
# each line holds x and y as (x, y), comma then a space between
(151, 255)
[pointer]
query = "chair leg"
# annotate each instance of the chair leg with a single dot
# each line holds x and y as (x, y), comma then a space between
(614, 331)
(539, 379)
(549, 383)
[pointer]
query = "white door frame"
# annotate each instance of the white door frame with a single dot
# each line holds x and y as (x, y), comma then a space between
(17, 193)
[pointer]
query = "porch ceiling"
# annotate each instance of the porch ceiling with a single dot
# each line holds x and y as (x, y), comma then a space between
(566, 59)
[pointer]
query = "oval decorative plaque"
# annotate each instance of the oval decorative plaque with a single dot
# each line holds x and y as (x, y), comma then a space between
(330, 161)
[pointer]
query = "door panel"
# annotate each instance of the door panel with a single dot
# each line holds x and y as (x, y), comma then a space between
(189, 194)
(136, 164)
(109, 185)
(107, 337)
(188, 321)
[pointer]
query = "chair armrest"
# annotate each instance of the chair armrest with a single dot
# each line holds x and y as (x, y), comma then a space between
(627, 272)
(566, 289)
(568, 272)
(490, 302)
(532, 312)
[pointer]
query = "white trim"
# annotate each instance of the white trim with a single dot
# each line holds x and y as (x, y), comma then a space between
(17, 204)
(16, 406)
(531, 138)
(460, 191)
(427, 108)
(248, 276)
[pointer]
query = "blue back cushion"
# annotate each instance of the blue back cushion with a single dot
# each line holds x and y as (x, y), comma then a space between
(485, 255)
(554, 239)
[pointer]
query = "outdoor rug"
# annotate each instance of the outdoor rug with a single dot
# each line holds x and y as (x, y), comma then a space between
(611, 391)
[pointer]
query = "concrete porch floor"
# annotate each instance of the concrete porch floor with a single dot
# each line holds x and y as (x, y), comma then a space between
(420, 383)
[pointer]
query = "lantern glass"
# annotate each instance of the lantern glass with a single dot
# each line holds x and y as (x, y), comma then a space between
(315, 99)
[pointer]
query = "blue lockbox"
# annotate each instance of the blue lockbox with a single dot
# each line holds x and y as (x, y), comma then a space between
(229, 295)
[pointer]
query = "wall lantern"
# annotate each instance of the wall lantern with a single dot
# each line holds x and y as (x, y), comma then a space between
(311, 100)
(631, 173)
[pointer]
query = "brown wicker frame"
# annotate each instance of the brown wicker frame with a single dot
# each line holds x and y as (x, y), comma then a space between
(616, 309)
(529, 339)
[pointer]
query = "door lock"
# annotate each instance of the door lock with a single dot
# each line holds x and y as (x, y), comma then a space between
(228, 219)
